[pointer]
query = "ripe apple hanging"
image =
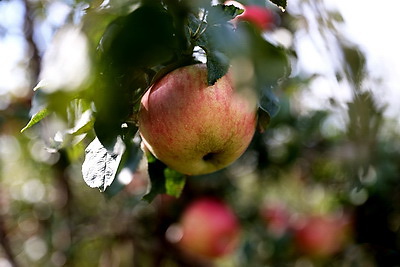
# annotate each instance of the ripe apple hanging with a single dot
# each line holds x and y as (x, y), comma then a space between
(195, 128)
(209, 229)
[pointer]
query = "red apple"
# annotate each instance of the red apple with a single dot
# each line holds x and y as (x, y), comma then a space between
(277, 217)
(195, 128)
(321, 235)
(209, 229)
(262, 17)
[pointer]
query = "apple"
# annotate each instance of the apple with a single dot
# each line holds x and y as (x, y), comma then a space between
(262, 17)
(195, 128)
(276, 217)
(209, 229)
(321, 235)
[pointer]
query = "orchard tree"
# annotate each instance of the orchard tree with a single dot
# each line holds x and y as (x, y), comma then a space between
(188, 83)
(177, 134)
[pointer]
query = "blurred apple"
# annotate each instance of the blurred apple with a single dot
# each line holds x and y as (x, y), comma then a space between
(195, 128)
(260, 16)
(321, 235)
(276, 216)
(209, 229)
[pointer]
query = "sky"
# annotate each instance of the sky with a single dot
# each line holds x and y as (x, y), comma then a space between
(375, 28)
(372, 26)
(12, 48)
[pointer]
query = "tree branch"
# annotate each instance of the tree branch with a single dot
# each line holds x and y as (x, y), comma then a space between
(33, 51)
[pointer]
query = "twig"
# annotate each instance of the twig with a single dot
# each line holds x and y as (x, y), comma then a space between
(35, 60)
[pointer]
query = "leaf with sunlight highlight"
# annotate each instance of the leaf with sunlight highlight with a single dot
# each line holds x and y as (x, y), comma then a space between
(100, 165)
(174, 182)
(36, 118)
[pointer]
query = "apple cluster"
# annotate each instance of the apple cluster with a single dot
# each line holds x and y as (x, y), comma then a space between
(208, 229)
(317, 235)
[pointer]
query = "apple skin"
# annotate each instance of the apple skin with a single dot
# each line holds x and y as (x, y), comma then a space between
(321, 235)
(195, 128)
(210, 229)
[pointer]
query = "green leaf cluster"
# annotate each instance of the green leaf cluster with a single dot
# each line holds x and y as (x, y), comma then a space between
(131, 50)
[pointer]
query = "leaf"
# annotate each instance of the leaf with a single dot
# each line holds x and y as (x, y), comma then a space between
(130, 159)
(38, 116)
(84, 124)
(218, 14)
(232, 11)
(156, 172)
(214, 43)
(269, 102)
(144, 38)
(282, 4)
(268, 107)
(174, 182)
(217, 66)
(216, 37)
(101, 165)
(163, 179)
(129, 162)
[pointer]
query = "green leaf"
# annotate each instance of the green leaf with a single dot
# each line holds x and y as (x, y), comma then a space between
(216, 37)
(282, 4)
(217, 66)
(269, 102)
(37, 117)
(174, 182)
(84, 128)
(83, 124)
(232, 11)
(219, 14)
(163, 179)
(156, 172)
(268, 108)
(216, 42)
(144, 38)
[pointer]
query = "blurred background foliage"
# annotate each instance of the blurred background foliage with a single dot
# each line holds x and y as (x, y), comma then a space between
(339, 162)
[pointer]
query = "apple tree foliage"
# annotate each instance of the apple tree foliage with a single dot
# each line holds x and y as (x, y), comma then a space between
(133, 48)
(338, 162)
